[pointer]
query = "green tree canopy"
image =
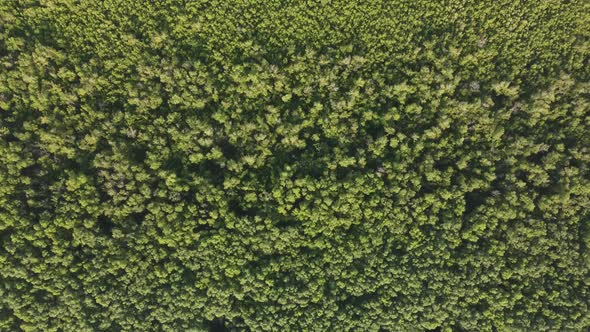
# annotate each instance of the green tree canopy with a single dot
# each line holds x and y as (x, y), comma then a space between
(334, 165)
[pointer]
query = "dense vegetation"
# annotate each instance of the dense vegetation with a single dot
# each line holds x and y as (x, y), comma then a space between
(362, 165)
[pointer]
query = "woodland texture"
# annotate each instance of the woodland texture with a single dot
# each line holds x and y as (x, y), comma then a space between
(249, 165)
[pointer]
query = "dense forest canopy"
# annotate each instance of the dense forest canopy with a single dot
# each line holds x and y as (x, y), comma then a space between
(273, 165)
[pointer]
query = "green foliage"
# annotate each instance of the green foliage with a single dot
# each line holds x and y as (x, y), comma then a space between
(371, 165)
